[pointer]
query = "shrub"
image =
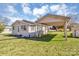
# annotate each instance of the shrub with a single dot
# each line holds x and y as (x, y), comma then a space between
(2, 26)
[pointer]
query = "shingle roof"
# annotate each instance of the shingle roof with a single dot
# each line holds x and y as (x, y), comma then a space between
(25, 21)
(53, 16)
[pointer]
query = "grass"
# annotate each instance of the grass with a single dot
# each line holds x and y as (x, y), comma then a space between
(52, 44)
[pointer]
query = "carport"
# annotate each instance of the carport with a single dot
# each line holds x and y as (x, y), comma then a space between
(55, 20)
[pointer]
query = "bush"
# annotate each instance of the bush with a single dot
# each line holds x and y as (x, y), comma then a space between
(2, 26)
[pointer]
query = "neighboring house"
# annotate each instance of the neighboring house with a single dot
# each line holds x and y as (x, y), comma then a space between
(75, 29)
(8, 29)
(55, 20)
(25, 28)
(52, 28)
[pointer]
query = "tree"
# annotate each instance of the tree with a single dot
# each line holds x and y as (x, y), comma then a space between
(2, 26)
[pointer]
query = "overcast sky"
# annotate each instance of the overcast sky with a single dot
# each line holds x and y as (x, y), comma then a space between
(33, 11)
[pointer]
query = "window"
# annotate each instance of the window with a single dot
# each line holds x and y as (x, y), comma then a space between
(13, 28)
(23, 27)
(32, 27)
(18, 28)
(39, 28)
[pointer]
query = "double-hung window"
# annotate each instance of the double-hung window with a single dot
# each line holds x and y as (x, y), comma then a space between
(23, 27)
(32, 27)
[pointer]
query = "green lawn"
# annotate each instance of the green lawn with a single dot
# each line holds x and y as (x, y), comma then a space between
(52, 44)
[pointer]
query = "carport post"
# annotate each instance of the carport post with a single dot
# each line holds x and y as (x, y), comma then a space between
(65, 30)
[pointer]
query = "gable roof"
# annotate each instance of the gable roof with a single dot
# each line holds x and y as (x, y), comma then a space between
(53, 16)
(53, 19)
(28, 21)
(25, 21)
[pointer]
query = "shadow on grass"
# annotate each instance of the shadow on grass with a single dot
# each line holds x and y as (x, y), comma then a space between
(60, 40)
(69, 36)
(45, 38)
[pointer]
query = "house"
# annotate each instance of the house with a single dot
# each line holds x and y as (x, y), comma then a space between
(75, 29)
(26, 28)
(55, 20)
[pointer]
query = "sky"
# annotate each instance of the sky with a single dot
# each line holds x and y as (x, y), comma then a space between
(33, 11)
